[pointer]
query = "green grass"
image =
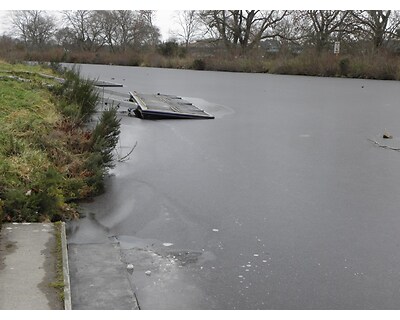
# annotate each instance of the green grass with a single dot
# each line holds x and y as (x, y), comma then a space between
(26, 117)
(46, 151)
(58, 284)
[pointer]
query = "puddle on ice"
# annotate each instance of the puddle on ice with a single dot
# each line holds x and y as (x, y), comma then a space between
(162, 281)
(167, 244)
(218, 111)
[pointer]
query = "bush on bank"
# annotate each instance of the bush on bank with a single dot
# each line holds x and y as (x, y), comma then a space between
(77, 96)
(354, 63)
(46, 145)
(380, 66)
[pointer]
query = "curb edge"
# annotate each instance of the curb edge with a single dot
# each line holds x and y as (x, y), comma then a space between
(67, 287)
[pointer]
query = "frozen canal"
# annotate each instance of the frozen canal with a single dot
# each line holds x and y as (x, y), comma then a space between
(280, 202)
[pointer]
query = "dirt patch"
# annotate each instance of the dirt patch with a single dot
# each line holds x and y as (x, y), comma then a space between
(50, 268)
(6, 247)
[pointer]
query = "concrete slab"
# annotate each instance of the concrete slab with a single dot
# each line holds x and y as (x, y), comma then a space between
(27, 267)
(99, 279)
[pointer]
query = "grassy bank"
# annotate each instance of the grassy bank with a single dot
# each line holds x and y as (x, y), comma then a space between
(48, 157)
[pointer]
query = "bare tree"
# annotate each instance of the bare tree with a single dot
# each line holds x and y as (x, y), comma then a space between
(64, 37)
(116, 29)
(86, 30)
(291, 28)
(136, 28)
(189, 26)
(125, 20)
(34, 27)
(243, 28)
(377, 26)
(107, 23)
(146, 33)
(322, 26)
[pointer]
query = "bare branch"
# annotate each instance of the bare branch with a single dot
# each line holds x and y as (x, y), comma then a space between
(384, 146)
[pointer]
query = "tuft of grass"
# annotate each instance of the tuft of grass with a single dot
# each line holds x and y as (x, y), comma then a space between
(58, 284)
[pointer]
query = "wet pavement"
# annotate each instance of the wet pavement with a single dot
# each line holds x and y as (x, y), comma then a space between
(102, 284)
(28, 267)
(280, 202)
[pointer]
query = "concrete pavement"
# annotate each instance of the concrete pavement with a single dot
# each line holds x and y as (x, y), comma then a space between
(27, 267)
(99, 279)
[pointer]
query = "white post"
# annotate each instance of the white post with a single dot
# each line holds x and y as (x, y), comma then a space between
(336, 47)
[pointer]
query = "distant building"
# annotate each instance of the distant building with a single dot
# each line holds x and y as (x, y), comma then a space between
(271, 45)
(275, 46)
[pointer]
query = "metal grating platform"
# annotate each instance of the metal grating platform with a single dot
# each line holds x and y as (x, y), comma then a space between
(150, 106)
(162, 106)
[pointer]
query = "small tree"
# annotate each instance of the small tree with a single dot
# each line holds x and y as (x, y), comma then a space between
(103, 142)
(80, 94)
(189, 26)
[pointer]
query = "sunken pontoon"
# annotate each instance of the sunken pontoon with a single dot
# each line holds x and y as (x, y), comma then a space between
(148, 106)
(162, 106)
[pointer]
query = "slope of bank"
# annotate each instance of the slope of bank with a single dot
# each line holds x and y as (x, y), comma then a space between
(48, 157)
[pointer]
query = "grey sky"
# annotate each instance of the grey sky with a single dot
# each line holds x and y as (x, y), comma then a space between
(164, 20)
(165, 9)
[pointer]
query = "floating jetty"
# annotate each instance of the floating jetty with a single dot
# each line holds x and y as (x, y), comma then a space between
(163, 106)
(148, 106)
(110, 98)
(105, 84)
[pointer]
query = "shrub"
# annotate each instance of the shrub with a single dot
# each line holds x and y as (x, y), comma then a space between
(103, 142)
(374, 66)
(344, 66)
(79, 95)
(48, 194)
(198, 64)
(172, 49)
(358, 68)
(17, 207)
(328, 66)
(386, 71)
(40, 200)
(105, 136)
(57, 67)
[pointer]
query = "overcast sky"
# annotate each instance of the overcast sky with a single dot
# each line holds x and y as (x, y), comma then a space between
(165, 9)
(164, 19)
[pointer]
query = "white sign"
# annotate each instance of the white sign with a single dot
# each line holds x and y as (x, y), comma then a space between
(336, 47)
